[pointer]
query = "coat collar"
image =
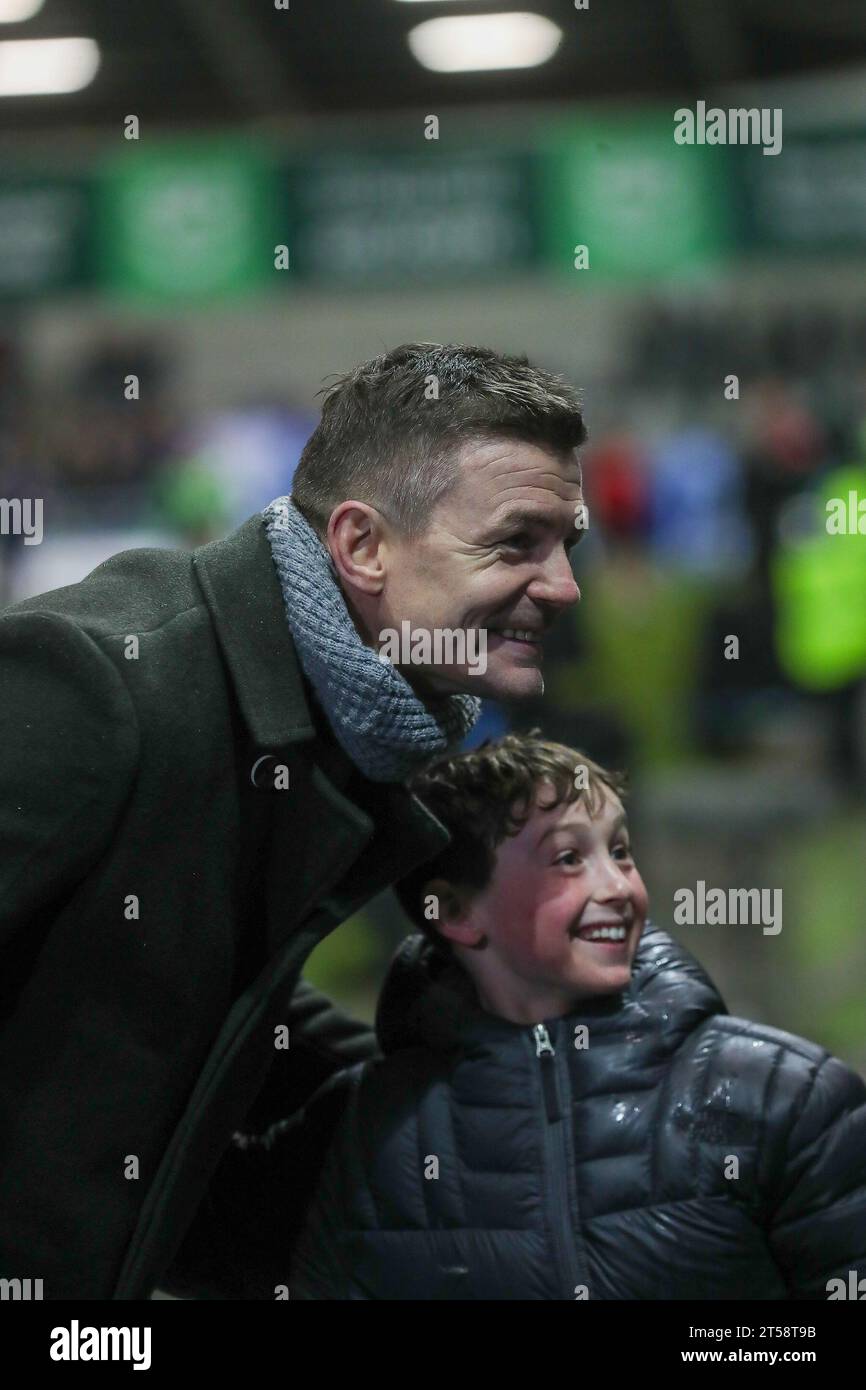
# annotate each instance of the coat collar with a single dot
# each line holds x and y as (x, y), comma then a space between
(428, 1000)
(349, 846)
(242, 591)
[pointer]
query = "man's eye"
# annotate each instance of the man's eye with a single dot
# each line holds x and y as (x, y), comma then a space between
(569, 855)
(624, 851)
(521, 540)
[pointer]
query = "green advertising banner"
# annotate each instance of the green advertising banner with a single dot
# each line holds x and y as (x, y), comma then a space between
(811, 197)
(45, 234)
(187, 222)
(640, 203)
(197, 220)
(380, 216)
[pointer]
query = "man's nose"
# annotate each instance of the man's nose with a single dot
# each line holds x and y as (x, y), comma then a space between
(556, 583)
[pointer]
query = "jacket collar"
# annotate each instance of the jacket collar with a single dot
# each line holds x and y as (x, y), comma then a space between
(242, 591)
(428, 1000)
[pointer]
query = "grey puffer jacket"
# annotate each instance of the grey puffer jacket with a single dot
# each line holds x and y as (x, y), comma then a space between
(670, 1151)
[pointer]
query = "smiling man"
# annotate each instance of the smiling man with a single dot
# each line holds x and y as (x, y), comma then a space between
(204, 773)
(494, 559)
(461, 517)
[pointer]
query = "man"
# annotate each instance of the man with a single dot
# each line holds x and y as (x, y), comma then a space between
(202, 774)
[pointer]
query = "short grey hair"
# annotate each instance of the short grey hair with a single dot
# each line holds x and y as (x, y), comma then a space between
(392, 438)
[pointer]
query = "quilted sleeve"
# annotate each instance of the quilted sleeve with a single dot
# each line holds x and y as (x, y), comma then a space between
(817, 1229)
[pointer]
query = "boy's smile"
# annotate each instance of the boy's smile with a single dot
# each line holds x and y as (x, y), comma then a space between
(561, 918)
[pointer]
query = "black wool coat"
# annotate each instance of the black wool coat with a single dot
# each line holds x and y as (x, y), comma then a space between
(677, 1153)
(160, 890)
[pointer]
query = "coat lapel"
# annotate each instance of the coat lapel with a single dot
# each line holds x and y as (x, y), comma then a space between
(326, 851)
(405, 835)
(337, 854)
(242, 591)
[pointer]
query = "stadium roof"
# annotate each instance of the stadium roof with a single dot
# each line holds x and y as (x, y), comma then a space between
(182, 62)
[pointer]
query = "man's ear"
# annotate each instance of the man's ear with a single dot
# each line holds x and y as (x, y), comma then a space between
(355, 537)
(452, 906)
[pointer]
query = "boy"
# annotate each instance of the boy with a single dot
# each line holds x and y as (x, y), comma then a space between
(564, 1108)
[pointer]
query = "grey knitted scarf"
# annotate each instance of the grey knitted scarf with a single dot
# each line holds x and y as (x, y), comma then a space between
(387, 731)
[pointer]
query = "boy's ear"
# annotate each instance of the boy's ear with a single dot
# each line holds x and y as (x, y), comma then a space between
(452, 905)
(449, 903)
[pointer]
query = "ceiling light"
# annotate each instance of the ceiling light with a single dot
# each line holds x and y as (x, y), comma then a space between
(476, 43)
(39, 67)
(16, 11)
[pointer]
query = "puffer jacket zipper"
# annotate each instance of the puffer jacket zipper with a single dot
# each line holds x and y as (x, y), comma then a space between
(562, 1218)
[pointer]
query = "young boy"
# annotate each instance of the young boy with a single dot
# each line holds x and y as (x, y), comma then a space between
(564, 1108)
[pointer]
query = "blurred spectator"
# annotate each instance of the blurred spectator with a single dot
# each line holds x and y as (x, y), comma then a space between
(699, 522)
